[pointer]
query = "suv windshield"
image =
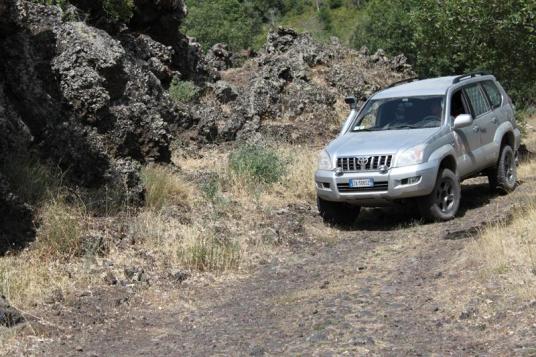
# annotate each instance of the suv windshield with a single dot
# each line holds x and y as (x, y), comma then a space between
(401, 113)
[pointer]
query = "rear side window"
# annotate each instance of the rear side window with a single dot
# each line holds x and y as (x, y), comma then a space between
(477, 99)
(493, 93)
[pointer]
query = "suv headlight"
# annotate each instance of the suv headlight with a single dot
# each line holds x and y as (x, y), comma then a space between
(412, 156)
(324, 161)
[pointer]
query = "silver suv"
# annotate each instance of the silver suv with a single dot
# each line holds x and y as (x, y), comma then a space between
(419, 139)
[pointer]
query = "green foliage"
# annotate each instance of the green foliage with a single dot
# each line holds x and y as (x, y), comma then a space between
(258, 164)
(244, 23)
(457, 36)
(229, 21)
(335, 4)
(325, 17)
(118, 10)
(182, 91)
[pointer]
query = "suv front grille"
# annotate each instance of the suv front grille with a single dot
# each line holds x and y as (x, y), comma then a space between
(378, 186)
(364, 163)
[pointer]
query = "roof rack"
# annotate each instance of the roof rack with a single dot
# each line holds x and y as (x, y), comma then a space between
(469, 75)
(407, 80)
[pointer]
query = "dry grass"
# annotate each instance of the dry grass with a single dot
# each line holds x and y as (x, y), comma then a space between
(164, 187)
(508, 252)
(213, 224)
(61, 231)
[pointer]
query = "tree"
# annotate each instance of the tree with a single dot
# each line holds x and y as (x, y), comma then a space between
(456, 36)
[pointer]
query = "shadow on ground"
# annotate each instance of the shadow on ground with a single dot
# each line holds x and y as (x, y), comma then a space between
(475, 195)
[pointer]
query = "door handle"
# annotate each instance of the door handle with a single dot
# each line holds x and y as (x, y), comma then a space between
(476, 128)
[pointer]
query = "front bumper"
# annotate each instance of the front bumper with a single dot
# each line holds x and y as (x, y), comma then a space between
(327, 185)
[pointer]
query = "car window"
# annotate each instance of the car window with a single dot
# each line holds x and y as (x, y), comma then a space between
(401, 113)
(493, 93)
(457, 105)
(477, 99)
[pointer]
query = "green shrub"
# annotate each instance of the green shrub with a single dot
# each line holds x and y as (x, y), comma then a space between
(258, 164)
(325, 17)
(118, 10)
(182, 91)
(335, 4)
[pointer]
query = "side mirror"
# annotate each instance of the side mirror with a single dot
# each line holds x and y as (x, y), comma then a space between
(352, 102)
(462, 121)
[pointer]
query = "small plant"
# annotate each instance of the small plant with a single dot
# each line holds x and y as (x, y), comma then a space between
(30, 179)
(62, 227)
(258, 164)
(209, 253)
(182, 91)
(163, 187)
(118, 10)
(211, 188)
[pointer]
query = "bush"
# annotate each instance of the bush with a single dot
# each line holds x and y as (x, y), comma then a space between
(258, 164)
(335, 4)
(182, 91)
(118, 10)
(325, 18)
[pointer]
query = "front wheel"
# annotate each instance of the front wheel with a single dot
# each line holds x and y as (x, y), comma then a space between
(503, 177)
(443, 203)
(337, 212)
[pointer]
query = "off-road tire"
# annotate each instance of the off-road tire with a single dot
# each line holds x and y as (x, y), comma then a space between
(337, 212)
(503, 177)
(443, 203)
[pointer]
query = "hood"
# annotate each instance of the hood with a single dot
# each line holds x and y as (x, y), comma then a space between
(378, 142)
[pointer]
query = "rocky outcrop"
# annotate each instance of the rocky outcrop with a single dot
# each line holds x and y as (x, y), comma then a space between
(90, 101)
(292, 91)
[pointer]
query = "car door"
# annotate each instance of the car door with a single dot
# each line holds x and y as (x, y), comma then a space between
(482, 119)
(465, 139)
(490, 126)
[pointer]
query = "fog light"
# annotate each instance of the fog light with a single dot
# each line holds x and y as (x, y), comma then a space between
(411, 180)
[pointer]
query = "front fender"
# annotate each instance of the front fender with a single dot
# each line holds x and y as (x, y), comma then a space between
(442, 152)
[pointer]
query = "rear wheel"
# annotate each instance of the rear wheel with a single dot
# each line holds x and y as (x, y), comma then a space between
(503, 177)
(337, 212)
(443, 203)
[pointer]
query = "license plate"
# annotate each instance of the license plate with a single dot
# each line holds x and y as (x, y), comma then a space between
(356, 183)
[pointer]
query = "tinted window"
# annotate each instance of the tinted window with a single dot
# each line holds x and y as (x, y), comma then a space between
(493, 93)
(457, 105)
(477, 99)
(401, 113)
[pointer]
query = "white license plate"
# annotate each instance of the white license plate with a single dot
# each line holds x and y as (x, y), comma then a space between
(356, 183)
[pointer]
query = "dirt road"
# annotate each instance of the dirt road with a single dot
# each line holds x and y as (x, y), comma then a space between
(388, 286)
